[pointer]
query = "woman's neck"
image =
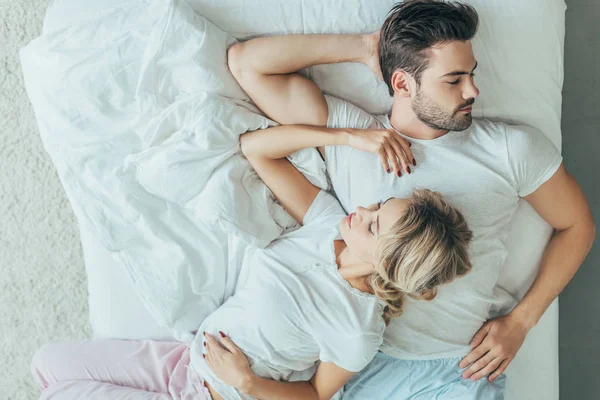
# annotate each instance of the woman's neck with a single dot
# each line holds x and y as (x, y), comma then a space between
(353, 270)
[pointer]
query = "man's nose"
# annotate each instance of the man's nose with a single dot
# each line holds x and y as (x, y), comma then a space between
(471, 90)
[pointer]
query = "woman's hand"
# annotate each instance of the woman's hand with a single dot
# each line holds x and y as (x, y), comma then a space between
(228, 362)
(387, 144)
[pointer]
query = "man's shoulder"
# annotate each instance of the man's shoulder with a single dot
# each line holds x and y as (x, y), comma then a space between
(503, 130)
(487, 131)
(487, 125)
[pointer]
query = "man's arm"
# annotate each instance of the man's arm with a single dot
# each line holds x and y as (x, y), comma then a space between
(561, 202)
(266, 69)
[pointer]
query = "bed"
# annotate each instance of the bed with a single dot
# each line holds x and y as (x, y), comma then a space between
(519, 48)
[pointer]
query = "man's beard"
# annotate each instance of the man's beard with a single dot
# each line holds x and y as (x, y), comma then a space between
(437, 117)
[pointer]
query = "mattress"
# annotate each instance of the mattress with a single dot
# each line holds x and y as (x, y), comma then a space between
(520, 77)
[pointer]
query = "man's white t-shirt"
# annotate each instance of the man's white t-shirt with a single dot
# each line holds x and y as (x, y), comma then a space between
(293, 308)
(483, 171)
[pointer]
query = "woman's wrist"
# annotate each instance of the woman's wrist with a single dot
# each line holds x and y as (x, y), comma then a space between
(344, 136)
(334, 136)
(247, 383)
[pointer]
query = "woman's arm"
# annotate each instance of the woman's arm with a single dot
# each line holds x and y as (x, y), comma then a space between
(327, 380)
(231, 366)
(281, 141)
(266, 150)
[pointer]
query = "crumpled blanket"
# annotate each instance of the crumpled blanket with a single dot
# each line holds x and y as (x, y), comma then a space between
(141, 117)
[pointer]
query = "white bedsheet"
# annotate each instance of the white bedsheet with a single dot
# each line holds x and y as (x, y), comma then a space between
(517, 84)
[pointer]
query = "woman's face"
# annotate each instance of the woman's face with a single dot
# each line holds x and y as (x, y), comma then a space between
(361, 228)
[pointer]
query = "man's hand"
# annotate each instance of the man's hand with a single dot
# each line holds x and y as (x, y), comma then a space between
(371, 41)
(494, 346)
(387, 144)
(228, 362)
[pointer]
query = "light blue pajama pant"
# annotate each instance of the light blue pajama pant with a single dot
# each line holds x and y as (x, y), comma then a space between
(387, 377)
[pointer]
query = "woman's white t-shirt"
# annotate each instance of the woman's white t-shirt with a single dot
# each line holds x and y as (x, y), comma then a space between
(294, 308)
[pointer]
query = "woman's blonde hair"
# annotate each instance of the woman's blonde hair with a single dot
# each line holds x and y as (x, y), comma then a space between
(428, 246)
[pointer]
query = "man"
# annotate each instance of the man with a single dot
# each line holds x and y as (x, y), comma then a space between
(423, 53)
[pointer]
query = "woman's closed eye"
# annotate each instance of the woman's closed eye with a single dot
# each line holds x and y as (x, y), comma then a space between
(373, 225)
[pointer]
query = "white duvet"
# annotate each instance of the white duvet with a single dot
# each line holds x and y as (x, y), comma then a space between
(142, 118)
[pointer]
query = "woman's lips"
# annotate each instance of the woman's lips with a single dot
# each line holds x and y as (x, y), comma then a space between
(350, 220)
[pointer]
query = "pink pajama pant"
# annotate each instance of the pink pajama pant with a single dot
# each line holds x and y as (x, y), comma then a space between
(117, 369)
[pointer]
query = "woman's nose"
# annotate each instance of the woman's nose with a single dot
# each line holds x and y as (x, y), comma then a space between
(361, 212)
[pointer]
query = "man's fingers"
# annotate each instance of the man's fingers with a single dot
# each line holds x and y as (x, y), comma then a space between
(489, 367)
(474, 355)
(499, 370)
(480, 365)
(480, 335)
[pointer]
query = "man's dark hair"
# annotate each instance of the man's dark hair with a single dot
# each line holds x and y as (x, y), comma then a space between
(414, 26)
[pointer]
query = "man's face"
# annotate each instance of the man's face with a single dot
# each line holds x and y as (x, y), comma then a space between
(447, 86)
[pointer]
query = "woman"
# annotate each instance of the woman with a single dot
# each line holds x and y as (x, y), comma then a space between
(311, 308)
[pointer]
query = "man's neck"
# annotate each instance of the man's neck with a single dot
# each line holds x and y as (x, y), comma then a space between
(404, 120)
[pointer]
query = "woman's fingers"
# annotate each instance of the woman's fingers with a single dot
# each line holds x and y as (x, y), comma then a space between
(384, 160)
(212, 346)
(405, 145)
(228, 343)
(393, 150)
(391, 156)
(401, 155)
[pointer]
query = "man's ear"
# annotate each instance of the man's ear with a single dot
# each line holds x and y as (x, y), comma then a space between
(401, 83)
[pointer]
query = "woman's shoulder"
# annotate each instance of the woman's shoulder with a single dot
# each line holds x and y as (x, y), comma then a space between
(361, 310)
(360, 327)
(325, 205)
